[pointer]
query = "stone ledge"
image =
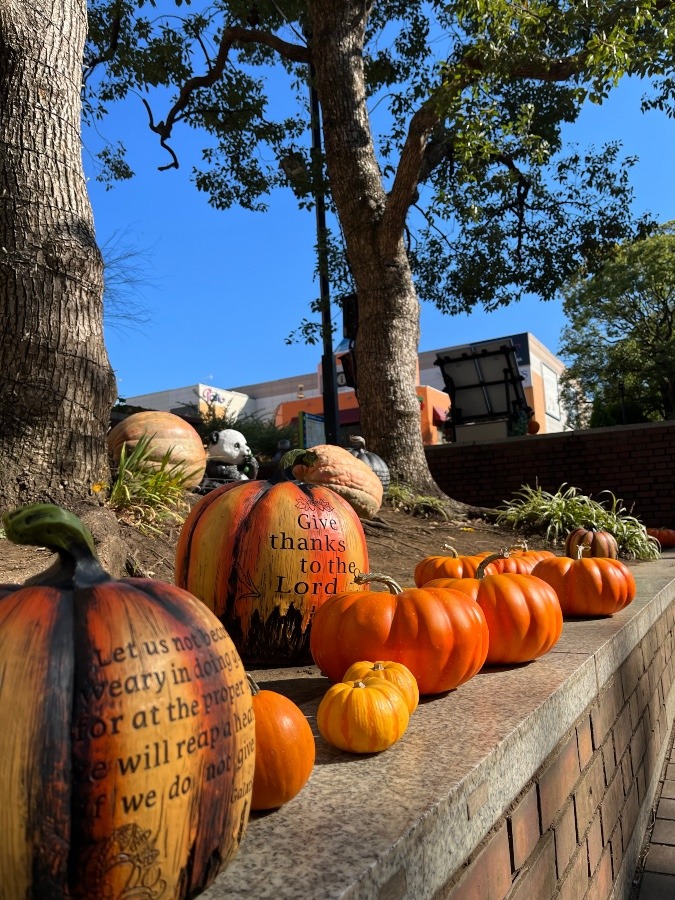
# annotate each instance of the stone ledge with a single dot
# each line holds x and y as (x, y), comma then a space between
(401, 823)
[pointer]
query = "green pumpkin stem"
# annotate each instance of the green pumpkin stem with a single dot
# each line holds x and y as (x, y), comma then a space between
(47, 525)
(296, 457)
(366, 578)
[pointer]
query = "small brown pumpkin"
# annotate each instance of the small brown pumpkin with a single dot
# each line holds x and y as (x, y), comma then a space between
(593, 541)
(168, 433)
(352, 479)
(665, 536)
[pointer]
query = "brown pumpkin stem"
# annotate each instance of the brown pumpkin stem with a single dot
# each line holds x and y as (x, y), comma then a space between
(357, 441)
(367, 577)
(452, 550)
(484, 563)
(47, 525)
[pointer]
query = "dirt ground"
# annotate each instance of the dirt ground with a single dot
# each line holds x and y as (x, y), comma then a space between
(396, 540)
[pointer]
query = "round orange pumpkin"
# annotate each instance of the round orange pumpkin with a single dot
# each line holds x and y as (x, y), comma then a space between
(169, 434)
(353, 479)
(519, 560)
(395, 673)
(453, 566)
(588, 586)
(593, 541)
(264, 556)
(284, 749)
(522, 612)
(362, 716)
(438, 634)
(127, 739)
(665, 536)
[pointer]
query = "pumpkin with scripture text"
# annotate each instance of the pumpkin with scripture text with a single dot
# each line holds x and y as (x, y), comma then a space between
(265, 555)
(439, 635)
(168, 434)
(127, 739)
(284, 749)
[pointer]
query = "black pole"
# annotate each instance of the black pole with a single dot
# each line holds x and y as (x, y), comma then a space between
(328, 372)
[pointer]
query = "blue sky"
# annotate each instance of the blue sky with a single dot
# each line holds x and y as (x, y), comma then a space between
(223, 289)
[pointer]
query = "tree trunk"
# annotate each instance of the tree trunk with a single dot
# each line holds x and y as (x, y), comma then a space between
(386, 346)
(56, 383)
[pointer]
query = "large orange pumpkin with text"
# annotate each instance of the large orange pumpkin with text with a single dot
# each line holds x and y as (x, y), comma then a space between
(438, 634)
(127, 745)
(264, 556)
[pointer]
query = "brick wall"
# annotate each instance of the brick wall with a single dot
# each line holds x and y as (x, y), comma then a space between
(635, 462)
(575, 830)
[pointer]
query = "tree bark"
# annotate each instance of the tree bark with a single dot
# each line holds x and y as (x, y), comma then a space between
(56, 383)
(386, 346)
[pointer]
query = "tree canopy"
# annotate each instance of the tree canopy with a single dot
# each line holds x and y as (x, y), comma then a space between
(620, 341)
(444, 162)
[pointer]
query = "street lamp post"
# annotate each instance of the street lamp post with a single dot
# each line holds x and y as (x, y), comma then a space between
(328, 371)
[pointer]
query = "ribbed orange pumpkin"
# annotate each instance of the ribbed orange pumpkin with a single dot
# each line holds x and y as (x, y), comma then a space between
(520, 560)
(522, 612)
(452, 566)
(393, 672)
(665, 536)
(593, 541)
(168, 433)
(284, 749)
(337, 468)
(264, 556)
(588, 586)
(438, 634)
(127, 739)
(362, 716)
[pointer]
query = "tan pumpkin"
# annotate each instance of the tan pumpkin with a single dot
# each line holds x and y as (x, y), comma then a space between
(337, 469)
(167, 432)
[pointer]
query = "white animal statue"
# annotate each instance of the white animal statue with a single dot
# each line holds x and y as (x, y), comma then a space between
(229, 446)
(229, 459)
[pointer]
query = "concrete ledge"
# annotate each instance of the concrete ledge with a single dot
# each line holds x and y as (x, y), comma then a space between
(403, 823)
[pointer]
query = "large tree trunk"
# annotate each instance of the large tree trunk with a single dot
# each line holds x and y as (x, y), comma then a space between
(386, 345)
(56, 383)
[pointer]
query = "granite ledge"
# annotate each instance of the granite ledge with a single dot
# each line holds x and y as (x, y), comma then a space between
(397, 825)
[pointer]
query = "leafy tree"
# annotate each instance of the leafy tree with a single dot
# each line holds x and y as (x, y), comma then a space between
(444, 163)
(620, 341)
(56, 383)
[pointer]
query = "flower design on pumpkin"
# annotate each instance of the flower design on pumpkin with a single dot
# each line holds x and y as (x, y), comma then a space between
(314, 505)
(133, 847)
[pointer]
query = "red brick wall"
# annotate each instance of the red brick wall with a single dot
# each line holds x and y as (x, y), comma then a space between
(568, 831)
(635, 462)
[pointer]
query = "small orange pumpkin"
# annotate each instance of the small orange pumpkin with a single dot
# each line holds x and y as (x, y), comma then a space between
(588, 586)
(452, 566)
(519, 560)
(284, 749)
(665, 536)
(522, 612)
(593, 541)
(396, 673)
(362, 716)
(438, 634)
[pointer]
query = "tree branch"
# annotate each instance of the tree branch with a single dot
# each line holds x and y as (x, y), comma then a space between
(232, 35)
